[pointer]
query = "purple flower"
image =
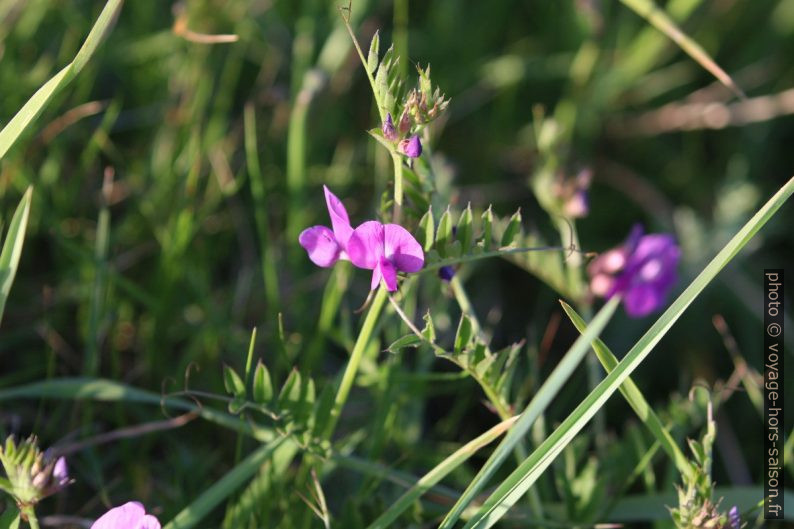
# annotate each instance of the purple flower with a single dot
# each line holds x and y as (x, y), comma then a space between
(131, 515)
(411, 147)
(385, 249)
(389, 132)
(324, 245)
(734, 519)
(642, 271)
(60, 472)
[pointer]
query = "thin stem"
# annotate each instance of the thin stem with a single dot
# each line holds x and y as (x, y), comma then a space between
(355, 359)
(30, 515)
(495, 253)
(398, 185)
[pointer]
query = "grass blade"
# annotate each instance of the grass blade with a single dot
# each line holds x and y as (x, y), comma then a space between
(12, 247)
(213, 496)
(36, 104)
(659, 19)
(635, 398)
(438, 473)
(534, 409)
(513, 488)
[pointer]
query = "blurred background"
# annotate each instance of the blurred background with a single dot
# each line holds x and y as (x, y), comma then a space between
(156, 243)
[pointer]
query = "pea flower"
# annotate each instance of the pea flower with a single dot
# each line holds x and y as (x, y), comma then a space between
(131, 515)
(324, 245)
(389, 132)
(642, 271)
(385, 249)
(411, 147)
(31, 475)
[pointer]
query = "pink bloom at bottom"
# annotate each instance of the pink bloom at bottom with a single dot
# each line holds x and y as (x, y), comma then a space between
(131, 515)
(385, 249)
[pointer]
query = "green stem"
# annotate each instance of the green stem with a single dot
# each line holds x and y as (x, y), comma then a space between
(30, 515)
(355, 359)
(398, 185)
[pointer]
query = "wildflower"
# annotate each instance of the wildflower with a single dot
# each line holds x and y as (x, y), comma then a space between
(389, 132)
(131, 515)
(734, 519)
(411, 147)
(642, 271)
(385, 249)
(324, 245)
(32, 475)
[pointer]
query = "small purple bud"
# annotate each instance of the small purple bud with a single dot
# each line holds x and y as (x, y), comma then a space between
(446, 273)
(389, 132)
(734, 519)
(405, 122)
(61, 472)
(578, 205)
(411, 147)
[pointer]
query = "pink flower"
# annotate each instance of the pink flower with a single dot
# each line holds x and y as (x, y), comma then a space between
(324, 245)
(131, 515)
(385, 249)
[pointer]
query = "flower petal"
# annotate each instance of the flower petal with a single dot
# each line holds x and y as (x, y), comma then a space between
(148, 522)
(61, 471)
(320, 244)
(642, 299)
(365, 247)
(128, 515)
(388, 273)
(339, 219)
(402, 249)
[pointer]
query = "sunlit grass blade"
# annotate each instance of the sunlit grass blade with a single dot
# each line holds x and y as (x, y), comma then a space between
(12, 247)
(438, 473)
(534, 409)
(213, 496)
(515, 485)
(648, 10)
(36, 104)
(99, 389)
(634, 397)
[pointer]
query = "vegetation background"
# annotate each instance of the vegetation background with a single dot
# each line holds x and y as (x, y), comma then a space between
(154, 244)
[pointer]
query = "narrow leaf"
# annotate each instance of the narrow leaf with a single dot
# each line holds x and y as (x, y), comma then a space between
(465, 230)
(444, 234)
(487, 228)
(513, 228)
(427, 228)
(232, 382)
(464, 334)
(12, 247)
(409, 340)
(372, 57)
(263, 386)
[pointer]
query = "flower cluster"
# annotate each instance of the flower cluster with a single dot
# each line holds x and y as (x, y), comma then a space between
(383, 248)
(32, 475)
(642, 270)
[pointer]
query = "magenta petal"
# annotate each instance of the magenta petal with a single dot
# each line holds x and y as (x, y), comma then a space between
(388, 273)
(642, 299)
(60, 471)
(126, 516)
(339, 219)
(365, 247)
(402, 249)
(148, 522)
(320, 244)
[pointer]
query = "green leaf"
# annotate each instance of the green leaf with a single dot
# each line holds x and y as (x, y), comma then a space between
(36, 104)
(465, 230)
(438, 473)
(263, 386)
(429, 332)
(487, 228)
(233, 383)
(291, 390)
(522, 478)
(444, 234)
(427, 229)
(409, 340)
(635, 398)
(552, 385)
(199, 508)
(464, 334)
(10, 517)
(513, 229)
(372, 57)
(12, 247)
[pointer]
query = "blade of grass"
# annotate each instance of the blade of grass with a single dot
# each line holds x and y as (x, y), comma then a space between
(36, 104)
(635, 398)
(534, 409)
(515, 485)
(659, 19)
(110, 391)
(438, 473)
(210, 498)
(12, 247)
